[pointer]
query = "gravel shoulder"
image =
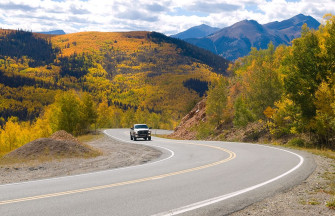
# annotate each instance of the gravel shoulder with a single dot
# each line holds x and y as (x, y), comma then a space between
(306, 199)
(115, 154)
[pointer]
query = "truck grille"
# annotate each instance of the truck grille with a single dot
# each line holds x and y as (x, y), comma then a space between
(143, 132)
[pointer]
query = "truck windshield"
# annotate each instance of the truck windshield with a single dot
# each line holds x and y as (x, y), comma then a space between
(141, 126)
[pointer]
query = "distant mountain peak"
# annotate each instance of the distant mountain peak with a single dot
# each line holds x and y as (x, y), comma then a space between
(199, 31)
(245, 23)
(54, 32)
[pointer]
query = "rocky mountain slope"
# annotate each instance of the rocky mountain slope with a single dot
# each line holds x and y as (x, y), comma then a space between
(236, 41)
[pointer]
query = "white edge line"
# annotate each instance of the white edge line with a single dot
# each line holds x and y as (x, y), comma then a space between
(207, 202)
(121, 140)
(103, 171)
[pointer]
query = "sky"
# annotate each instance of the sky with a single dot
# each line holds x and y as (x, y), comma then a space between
(165, 16)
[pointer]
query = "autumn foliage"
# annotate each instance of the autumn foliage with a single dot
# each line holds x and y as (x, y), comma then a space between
(83, 81)
(296, 83)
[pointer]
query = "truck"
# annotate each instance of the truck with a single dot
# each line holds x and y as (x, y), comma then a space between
(140, 131)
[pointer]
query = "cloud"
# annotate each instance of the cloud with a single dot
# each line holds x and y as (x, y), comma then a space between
(77, 10)
(166, 16)
(137, 15)
(213, 7)
(13, 6)
(155, 7)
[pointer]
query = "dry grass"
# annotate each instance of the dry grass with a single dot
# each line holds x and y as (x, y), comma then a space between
(60, 146)
(331, 204)
(90, 137)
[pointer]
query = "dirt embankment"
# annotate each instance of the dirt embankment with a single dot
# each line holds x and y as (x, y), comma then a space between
(253, 132)
(185, 130)
(111, 154)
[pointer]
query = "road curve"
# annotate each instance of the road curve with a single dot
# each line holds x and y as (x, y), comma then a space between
(190, 178)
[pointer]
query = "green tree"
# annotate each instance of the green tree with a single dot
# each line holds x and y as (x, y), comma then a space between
(243, 115)
(325, 115)
(217, 101)
(69, 116)
(89, 112)
(330, 44)
(264, 86)
(304, 72)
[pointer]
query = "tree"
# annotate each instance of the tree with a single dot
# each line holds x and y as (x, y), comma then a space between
(104, 119)
(286, 119)
(329, 43)
(261, 80)
(89, 112)
(69, 118)
(304, 72)
(242, 114)
(325, 115)
(217, 101)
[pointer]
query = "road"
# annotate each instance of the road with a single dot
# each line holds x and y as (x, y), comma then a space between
(190, 178)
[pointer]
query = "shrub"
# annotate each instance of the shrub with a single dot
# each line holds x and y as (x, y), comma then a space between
(204, 130)
(298, 142)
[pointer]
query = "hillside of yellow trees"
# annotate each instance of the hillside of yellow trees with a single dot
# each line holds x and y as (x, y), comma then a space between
(285, 93)
(83, 81)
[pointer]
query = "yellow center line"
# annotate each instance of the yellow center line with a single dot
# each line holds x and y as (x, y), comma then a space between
(232, 155)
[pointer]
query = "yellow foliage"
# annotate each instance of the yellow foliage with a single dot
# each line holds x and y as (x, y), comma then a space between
(16, 134)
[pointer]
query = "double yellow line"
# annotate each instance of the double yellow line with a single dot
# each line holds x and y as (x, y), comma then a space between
(232, 155)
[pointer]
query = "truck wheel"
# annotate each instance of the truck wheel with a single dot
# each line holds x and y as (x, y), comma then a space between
(149, 138)
(131, 137)
(135, 138)
(145, 138)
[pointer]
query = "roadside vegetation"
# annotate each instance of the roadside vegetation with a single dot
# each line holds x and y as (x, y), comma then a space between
(284, 96)
(288, 92)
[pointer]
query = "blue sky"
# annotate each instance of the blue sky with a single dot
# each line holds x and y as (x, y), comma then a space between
(166, 16)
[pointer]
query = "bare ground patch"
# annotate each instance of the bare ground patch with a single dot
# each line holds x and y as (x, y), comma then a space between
(115, 154)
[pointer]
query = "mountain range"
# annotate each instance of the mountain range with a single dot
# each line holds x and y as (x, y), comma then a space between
(54, 32)
(236, 41)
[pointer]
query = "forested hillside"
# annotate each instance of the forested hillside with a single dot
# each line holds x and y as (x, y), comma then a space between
(284, 93)
(82, 81)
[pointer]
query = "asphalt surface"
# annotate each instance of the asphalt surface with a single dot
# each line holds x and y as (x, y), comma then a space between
(190, 178)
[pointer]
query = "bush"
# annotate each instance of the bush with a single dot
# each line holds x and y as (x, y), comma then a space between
(204, 130)
(298, 142)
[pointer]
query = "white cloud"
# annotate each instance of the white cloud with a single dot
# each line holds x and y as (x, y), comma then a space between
(167, 16)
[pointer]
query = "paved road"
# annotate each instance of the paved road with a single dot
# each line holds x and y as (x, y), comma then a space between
(190, 178)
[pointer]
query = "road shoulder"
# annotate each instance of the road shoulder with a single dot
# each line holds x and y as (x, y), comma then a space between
(116, 154)
(308, 198)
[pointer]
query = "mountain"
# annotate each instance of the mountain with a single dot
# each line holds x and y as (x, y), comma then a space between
(54, 32)
(236, 41)
(130, 71)
(291, 28)
(196, 32)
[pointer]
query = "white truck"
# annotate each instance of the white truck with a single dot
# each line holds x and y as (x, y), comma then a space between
(140, 131)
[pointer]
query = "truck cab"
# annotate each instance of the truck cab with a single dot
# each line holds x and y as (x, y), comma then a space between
(140, 131)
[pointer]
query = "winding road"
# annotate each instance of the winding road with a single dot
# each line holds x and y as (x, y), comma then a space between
(190, 178)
